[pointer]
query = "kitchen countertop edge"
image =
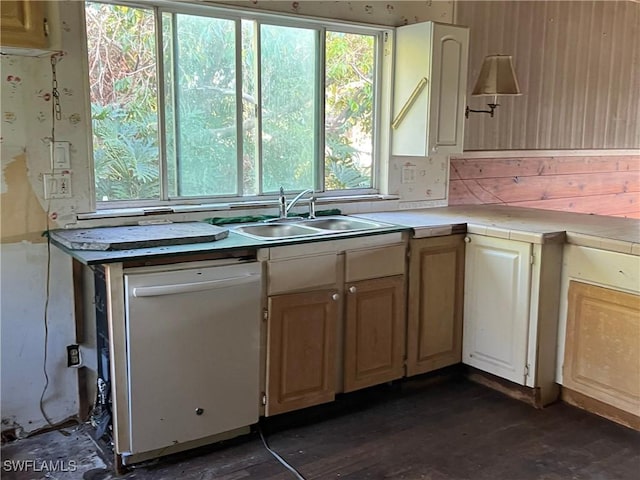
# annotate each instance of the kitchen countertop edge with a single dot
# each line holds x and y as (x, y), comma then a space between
(535, 226)
(233, 242)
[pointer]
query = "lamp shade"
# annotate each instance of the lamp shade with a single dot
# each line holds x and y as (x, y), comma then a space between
(497, 77)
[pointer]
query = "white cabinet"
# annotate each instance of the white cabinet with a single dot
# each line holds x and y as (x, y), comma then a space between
(496, 307)
(434, 119)
(511, 301)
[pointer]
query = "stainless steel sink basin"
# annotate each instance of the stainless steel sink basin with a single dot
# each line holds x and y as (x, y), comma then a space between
(339, 224)
(304, 228)
(276, 230)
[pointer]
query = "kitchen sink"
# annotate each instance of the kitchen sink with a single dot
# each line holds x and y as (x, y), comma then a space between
(340, 224)
(276, 230)
(304, 228)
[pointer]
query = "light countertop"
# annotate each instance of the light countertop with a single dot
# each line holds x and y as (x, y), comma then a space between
(515, 223)
(526, 224)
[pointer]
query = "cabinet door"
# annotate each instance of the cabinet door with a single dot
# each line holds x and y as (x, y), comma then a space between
(22, 24)
(448, 93)
(434, 121)
(374, 334)
(602, 358)
(412, 64)
(301, 350)
(496, 306)
(436, 282)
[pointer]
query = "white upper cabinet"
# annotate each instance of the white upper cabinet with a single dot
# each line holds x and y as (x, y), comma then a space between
(433, 120)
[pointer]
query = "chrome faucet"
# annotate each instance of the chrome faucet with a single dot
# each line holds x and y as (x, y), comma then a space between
(284, 208)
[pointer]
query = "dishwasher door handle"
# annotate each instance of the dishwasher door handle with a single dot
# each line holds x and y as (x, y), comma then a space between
(159, 290)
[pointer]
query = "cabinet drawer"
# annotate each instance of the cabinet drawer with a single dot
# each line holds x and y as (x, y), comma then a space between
(375, 262)
(299, 274)
(612, 269)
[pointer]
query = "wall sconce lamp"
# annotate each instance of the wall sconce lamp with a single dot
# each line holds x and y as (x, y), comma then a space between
(497, 78)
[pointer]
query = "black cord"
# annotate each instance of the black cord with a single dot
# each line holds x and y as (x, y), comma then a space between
(295, 472)
(54, 112)
(46, 329)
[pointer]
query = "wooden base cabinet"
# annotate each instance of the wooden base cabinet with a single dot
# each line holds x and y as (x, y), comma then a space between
(436, 282)
(319, 345)
(301, 350)
(602, 353)
(374, 332)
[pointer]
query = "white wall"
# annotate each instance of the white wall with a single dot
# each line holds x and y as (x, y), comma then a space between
(379, 12)
(23, 271)
(26, 127)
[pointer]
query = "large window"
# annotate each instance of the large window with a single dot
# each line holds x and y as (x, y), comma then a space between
(205, 103)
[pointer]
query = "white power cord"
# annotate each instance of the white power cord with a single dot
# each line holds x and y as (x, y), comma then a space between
(295, 472)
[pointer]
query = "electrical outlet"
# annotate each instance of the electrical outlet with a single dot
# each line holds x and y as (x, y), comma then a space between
(74, 358)
(408, 174)
(57, 185)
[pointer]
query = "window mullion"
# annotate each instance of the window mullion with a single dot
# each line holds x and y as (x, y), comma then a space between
(380, 142)
(162, 150)
(258, 72)
(177, 147)
(239, 110)
(320, 110)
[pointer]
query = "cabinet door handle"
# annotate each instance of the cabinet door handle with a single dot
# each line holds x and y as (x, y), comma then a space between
(467, 240)
(335, 297)
(353, 289)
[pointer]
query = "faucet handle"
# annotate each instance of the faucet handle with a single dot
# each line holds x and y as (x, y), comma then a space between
(282, 204)
(312, 207)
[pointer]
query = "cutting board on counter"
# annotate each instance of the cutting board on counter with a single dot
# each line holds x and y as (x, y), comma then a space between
(138, 236)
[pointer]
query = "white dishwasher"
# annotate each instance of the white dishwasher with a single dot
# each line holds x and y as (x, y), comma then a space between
(193, 349)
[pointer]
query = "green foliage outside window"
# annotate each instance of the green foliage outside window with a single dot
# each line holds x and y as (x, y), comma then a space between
(200, 134)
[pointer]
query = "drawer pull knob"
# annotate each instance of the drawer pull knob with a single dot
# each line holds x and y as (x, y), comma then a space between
(335, 297)
(352, 289)
(199, 411)
(467, 240)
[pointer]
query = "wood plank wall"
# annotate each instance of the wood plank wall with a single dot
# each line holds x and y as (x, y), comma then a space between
(578, 64)
(603, 185)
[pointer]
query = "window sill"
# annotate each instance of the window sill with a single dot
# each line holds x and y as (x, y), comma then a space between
(221, 207)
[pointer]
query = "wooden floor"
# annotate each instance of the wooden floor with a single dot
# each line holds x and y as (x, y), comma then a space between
(451, 430)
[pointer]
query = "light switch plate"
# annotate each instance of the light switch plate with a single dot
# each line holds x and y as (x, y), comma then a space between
(60, 157)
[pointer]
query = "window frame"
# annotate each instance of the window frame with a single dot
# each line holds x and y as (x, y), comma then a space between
(238, 14)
